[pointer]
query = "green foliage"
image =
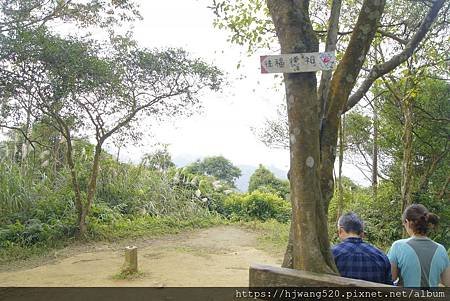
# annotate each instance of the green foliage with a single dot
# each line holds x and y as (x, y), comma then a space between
(264, 180)
(160, 159)
(358, 129)
(382, 226)
(99, 89)
(204, 188)
(46, 222)
(382, 217)
(430, 150)
(15, 190)
(248, 21)
(257, 205)
(38, 210)
(441, 208)
(137, 190)
(218, 167)
(131, 226)
(32, 13)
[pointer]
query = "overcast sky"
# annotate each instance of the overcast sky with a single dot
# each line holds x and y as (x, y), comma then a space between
(224, 126)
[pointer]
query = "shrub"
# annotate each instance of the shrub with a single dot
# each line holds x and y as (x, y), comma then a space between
(381, 217)
(257, 205)
(47, 221)
(264, 180)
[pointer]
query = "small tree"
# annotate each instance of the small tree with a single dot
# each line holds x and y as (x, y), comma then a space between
(263, 178)
(218, 167)
(99, 90)
(160, 159)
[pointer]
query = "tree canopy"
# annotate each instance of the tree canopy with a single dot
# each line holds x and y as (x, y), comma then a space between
(263, 179)
(218, 167)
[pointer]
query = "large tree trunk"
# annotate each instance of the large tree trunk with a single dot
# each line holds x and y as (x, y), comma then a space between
(331, 41)
(296, 35)
(342, 83)
(313, 143)
(305, 162)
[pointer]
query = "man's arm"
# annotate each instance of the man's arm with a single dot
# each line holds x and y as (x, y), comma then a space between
(389, 279)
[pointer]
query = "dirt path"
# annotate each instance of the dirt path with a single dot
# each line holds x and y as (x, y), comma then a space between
(217, 256)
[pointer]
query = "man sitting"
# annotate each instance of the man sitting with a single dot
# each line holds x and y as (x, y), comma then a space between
(357, 259)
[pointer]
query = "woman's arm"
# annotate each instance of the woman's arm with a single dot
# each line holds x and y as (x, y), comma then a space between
(445, 277)
(394, 271)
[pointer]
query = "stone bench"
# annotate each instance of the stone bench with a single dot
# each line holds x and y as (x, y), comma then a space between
(271, 276)
(270, 279)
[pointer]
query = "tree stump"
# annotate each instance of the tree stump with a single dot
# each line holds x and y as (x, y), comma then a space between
(130, 265)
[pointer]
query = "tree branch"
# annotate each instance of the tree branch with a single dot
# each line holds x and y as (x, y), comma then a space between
(382, 69)
(325, 80)
(392, 36)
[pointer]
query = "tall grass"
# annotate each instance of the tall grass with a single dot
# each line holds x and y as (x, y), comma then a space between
(16, 189)
(138, 190)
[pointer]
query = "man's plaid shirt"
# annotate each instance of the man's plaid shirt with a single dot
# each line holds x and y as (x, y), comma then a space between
(359, 260)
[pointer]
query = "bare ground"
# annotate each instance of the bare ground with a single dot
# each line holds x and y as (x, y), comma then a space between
(218, 256)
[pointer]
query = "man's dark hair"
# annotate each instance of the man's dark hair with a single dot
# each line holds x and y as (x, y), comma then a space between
(351, 223)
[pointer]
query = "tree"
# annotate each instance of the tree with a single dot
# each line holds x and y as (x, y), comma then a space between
(160, 159)
(314, 113)
(100, 90)
(32, 14)
(218, 167)
(263, 178)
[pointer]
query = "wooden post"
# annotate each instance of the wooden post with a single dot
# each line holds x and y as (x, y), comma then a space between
(130, 265)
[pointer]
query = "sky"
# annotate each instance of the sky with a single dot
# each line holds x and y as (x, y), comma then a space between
(224, 125)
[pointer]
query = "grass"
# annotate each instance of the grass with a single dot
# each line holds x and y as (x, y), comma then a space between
(15, 252)
(151, 226)
(127, 275)
(273, 236)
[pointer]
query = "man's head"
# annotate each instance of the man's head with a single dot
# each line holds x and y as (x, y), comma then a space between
(350, 225)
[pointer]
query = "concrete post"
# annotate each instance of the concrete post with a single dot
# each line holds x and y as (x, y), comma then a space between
(130, 265)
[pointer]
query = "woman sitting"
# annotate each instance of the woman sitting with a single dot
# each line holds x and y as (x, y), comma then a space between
(418, 261)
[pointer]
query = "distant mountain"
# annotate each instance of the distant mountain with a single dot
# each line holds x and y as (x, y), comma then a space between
(247, 170)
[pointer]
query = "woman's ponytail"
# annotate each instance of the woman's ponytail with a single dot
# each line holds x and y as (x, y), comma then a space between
(421, 220)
